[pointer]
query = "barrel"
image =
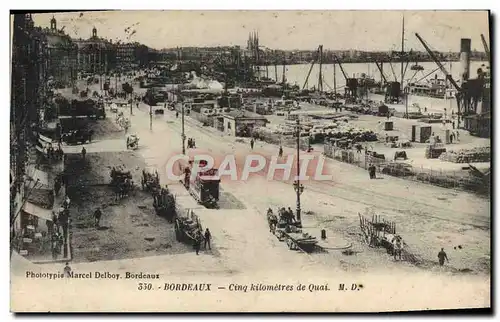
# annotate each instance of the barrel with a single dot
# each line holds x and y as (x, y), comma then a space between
(323, 234)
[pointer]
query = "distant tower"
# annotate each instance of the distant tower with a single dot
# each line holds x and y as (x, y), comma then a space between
(94, 32)
(29, 21)
(53, 24)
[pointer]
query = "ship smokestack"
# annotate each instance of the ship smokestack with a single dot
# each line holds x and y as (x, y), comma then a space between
(465, 51)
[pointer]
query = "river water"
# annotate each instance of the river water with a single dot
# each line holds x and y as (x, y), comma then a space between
(296, 74)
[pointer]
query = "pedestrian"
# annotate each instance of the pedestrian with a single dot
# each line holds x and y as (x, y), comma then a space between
(54, 250)
(371, 171)
(442, 256)
(50, 226)
(280, 152)
(64, 220)
(208, 236)
(457, 135)
(67, 270)
(252, 142)
(97, 216)
(66, 202)
(177, 114)
(57, 186)
(84, 152)
(55, 221)
(451, 138)
(197, 243)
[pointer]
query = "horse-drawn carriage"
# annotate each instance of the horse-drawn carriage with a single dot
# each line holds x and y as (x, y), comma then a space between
(164, 203)
(150, 179)
(113, 108)
(122, 121)
(188, 228)
(381, 233)
(121, 182)
(77, 136)
(132, 142)
(286, 228)
(204, 187)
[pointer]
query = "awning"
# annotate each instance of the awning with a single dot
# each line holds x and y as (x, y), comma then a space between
(44, 179)
(37, 211)
(43, 139)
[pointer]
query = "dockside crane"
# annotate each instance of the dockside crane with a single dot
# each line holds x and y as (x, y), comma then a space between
(459, 89)
(316, 58)
(440, 65)
(486, 49)
(351, 84)
(379, 66)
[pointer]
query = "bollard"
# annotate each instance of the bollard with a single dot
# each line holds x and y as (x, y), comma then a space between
(323, 234)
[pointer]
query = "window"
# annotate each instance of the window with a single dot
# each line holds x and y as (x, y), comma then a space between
(228, 125)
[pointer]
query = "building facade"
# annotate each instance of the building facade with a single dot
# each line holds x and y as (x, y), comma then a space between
(241, 123)
(29, 75)
(62, 54)
(95, 55)
(125, 56)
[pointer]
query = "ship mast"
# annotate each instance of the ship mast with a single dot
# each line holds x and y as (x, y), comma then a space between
(402, 50)
(320, 76)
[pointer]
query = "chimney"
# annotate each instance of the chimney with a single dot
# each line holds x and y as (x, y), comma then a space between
(465, 51)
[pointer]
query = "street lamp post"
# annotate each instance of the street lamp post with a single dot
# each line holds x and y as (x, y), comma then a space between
(406, 90)
(150, 117)
(183, 134)
(299, 188)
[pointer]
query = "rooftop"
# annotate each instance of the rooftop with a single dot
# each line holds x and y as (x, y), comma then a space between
(240, 114)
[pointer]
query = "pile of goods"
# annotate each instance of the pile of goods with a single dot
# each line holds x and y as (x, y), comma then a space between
(352, 133)
(478, 154)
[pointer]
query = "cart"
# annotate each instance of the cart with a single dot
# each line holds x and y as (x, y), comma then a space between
(150, 179)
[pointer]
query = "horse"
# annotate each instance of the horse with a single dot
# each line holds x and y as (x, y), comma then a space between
(272, 220)
(397, 247)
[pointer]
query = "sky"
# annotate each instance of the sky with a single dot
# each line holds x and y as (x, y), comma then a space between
(287, 30)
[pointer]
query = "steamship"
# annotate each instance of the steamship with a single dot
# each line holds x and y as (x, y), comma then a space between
(436, 88)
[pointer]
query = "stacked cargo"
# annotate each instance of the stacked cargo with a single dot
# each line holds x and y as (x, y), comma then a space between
(478, 154)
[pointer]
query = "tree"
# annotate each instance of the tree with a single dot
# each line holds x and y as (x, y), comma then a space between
(127, 88)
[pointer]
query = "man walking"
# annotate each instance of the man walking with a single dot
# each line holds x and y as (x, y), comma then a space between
(67, 270)
(208, 236)
(97, 216)
(84, 153)
(280, 152)
(197, 242)
(442, 256)
(252, 142)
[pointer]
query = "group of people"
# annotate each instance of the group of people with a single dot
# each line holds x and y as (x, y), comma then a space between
(60, 220)
(454, 136)
(54, 154)
(205, 238)
(286, 215)
(191, 144)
